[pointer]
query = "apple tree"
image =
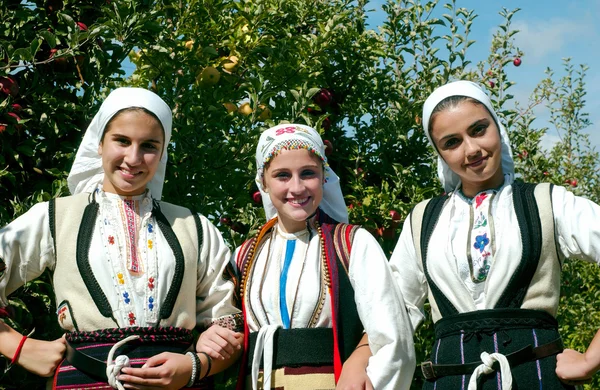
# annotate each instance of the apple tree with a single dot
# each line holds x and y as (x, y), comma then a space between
(231, 68)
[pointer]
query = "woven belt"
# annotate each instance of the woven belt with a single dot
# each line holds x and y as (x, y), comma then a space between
(93, 367)
(298, 346)
(96, 368)
(432, 371)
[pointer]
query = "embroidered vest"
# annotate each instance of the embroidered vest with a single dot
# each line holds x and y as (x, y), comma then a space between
(337, 239)
(535, 284)
(83, 306)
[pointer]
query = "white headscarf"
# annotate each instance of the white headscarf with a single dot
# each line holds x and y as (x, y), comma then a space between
(86, 172)
(290, 137)
(449, 179)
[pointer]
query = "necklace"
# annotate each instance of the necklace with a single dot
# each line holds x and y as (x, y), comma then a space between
(248, 271)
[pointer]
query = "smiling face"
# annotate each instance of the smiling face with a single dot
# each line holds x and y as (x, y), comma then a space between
(294, 182)
(131, 149)
(468, 140)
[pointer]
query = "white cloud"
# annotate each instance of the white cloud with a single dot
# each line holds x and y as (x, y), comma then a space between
(540, 38)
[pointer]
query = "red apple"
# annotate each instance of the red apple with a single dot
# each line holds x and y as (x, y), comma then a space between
(326, 124)
(2, 127)
(9, 86)
(225, 221)
(257, 197)
(82, 26)
(15, 116)
(574, 183)
(395, 218)
(16, 107)
(492, 84)
(517, 62)
(546, 173)
(328, 147)
(323, 98)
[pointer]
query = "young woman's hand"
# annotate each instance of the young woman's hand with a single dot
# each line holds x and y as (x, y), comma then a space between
(354, 372)
(166, 370)
(219, 343)
(573, 367)
(42, 357)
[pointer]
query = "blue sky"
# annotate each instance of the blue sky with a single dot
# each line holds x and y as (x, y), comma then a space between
(550, 30)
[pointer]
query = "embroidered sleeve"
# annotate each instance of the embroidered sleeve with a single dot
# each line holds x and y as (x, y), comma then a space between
(233, 322)
(216, 286)
(26, 250)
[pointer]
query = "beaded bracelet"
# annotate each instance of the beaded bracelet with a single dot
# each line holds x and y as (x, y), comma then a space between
(18, 351)
(208, 364)
(196, 368)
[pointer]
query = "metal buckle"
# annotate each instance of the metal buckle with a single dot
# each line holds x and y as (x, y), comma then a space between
(427, 370)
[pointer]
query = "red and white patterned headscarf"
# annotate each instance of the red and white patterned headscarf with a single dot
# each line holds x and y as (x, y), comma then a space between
(291, 137)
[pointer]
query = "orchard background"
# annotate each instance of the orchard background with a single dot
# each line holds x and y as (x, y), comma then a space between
(231, 68)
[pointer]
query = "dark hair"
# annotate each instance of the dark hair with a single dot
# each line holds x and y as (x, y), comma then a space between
(131, 109)
(451, 102)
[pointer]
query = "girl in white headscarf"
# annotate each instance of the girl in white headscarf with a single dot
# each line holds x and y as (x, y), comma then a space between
(311, 283)
(131, 274)
(488, 254)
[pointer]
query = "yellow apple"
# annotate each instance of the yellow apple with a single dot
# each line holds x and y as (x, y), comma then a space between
(208, 77)
(265, 113)
(231, 63)
(189, 44)
(230, 107)
(245, 109)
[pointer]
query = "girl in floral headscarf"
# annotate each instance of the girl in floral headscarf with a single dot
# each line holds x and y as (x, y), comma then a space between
(311, 283)
(132, 275)
(488, 254)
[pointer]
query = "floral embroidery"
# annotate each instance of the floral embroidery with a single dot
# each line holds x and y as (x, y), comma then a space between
(481, 242)
(481, 221)
(479, 199)
(150, 228)
(126, 297)
(150, 244)
(62, 314)
(111, 240)
(150, 303)
(151, 283)
(131, 318)
(120, 277)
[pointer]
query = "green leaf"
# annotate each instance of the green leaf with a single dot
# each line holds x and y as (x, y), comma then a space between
(49, 38)
(22, 54)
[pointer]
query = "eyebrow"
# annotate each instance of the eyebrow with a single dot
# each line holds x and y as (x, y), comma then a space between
(316, 166)
(471, 126)
(151, 140)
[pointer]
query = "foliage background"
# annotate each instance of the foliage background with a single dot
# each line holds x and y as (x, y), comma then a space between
(278, 57)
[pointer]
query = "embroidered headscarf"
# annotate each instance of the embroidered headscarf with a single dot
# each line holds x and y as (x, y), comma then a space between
(291, 137)
(449, 179)
(86, 172)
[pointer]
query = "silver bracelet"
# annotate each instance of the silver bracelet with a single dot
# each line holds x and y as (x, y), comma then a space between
(195, 361)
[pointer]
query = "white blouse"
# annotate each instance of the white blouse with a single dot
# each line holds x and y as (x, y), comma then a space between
(377, 298)
(28, 249)
(577, 235)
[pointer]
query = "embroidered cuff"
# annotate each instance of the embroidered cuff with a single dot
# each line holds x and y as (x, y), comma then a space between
(233, 322)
